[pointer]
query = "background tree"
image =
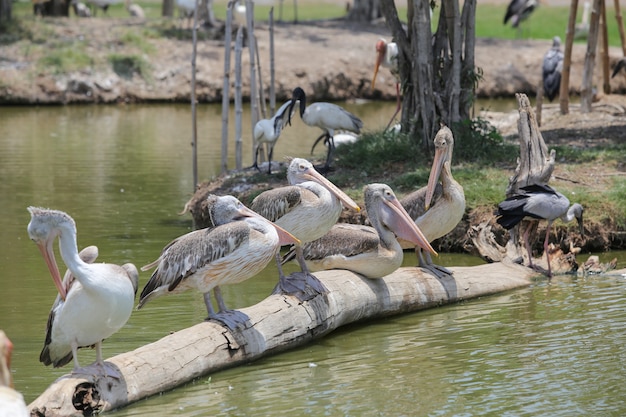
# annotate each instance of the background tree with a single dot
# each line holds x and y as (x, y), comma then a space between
(437, 69)
(365, 11)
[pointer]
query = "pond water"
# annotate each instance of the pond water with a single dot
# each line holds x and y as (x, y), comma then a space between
(123, 172)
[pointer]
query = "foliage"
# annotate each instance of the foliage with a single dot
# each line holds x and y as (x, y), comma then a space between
(137, 40)
(478, 141)
(65, 58)
(617, 194)
(127, 65)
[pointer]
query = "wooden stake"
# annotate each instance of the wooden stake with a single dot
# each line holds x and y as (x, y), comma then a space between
(226, 85)
(586, 91)
(606, 86)
(567, 58)
(620, 25)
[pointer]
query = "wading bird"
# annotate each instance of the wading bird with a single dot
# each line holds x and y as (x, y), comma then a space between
(307, 208)
(551, 69)
(370, 251)
(11, 402)
(240, 245)
(268, 131)
(538, 202)
(94, 301)
(518, 11)
(387, 56)
(328, 117)
(438, 207)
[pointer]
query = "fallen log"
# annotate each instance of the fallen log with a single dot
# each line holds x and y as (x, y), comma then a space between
(278, 323)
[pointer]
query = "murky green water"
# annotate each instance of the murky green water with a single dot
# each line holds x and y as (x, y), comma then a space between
(124, 172)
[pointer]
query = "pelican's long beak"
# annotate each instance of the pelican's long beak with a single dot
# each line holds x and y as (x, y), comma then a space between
(45, 247)
(404, 227)
(435, 172)
(284, 237)
(313, 175)
(380, 55)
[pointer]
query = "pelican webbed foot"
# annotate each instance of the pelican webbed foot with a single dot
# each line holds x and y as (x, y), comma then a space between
(302, 285)
(233, 319)
(438, 270)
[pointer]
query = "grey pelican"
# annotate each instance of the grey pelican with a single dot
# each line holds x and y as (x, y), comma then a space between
(370, 251)
(268, 131)
(437, 208)
(539, 202)
(518, 11)
(328, 117)
(11, 402)
(551, 69)
(307, 208)
(95, 299)
(240, 245)
(387, 56)
(621, 64)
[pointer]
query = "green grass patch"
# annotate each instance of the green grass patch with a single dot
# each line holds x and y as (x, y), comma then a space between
(127, 65)
(138, 41)
(65, 58)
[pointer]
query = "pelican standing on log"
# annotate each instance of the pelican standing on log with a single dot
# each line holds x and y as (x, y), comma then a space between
(11, 402)
(370, 251)
(538, 202)
(551, 69)
(438, 207)
(94, 301)
(387, 56)
(240, 245)
(268, 131)
(328, 117)
(307, 208)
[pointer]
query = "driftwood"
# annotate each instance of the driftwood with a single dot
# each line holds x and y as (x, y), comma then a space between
(275, 324)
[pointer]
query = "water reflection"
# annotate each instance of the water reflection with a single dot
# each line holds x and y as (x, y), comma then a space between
(124, 172)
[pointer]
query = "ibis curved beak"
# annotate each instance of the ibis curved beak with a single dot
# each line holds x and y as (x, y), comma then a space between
(404, 227)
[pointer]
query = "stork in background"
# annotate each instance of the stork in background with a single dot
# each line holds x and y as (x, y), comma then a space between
(538, 202)
(95, 299)
(101, 4)
(387, 56)
(327, 116)
(185, 11)
(135, 10)
(268, 131)
(438, 207)
(240, 245)
(518, 11)
(373, 252)
(551, 69)
(11, 402)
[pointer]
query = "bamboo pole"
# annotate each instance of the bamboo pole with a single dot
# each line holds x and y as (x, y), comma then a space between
(272, 65)
(226, 86)
(586, 91)
(620, 25)
(238, 98)
(278, 323)
(606, 86)
(254, 109)
(567, 58)
(194, 123)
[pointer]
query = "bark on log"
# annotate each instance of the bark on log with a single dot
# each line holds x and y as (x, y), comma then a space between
(276, 324)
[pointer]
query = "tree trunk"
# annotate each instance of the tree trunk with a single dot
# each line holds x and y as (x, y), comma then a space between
(5, 10)
(365, 11)
(55, 8)
(586, 91)
(276, 324)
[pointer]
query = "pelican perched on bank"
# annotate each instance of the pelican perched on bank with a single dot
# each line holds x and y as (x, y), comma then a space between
(268, 131)
(518, 11)
(370, 251)
(11, 402)
(387, 56)
(307, 208)
(551, 69)
(328, 117)
(95, 299)
(538, 202)
(240, 245)
(438, 207)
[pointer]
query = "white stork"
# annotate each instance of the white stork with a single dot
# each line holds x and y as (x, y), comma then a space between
(307, 208)
(438, 207)
(370, 251)
(268, 131)
(11, 402)
(94, 301)
(387, 56)
(328, 117)
(539, 202)
(240, 245)
(551, 69)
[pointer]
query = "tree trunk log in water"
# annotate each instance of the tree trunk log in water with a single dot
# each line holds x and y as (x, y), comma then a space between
(278, 323)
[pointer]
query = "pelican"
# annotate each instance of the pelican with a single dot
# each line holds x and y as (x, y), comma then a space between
(11, 402)
(539, 202)
(370, 251)
(307, 208)
(387, 56)
(240, 245)
(328, 117)
(268, 131)
(94, 301)
(621, 64)
(518, 11)
(437, 208)
(551, 70)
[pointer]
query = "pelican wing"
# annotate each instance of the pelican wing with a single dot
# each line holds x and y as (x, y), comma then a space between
(274, 204)
(414, 203)
(343, 239)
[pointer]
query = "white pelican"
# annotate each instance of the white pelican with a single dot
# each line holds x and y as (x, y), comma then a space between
(307, 208)
(268, 131)
(328, 117)
(95, 300)
(11, 402)
(437, 208)
(370, 251)
(539, 202)
(518, 11)
(387, 56)
(551, 69)
(240, 245)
